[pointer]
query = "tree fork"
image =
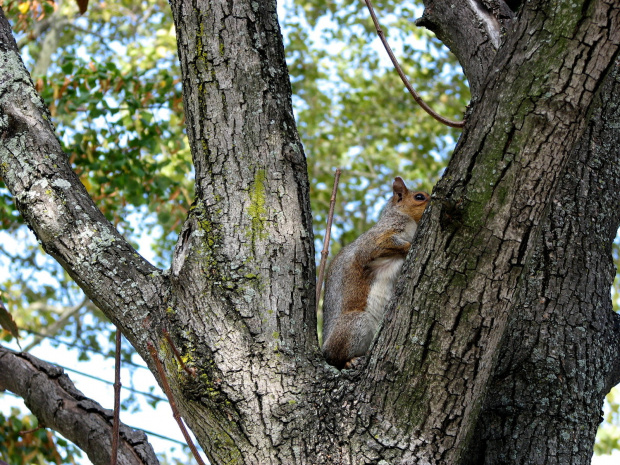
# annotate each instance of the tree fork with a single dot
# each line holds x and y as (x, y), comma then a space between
(239, 298)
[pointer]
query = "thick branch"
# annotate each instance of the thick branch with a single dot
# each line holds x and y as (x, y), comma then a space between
(243, 270)
(251, 173)
(474, 46)
(58, 405)
(434, 357)
(58, 209)
(563, 335)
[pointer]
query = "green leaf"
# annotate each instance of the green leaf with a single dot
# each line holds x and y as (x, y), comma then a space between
(7, 322)
(67, 67)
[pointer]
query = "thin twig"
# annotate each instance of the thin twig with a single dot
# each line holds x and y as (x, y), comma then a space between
(328, 231)
(401, 73)
(173, 405)
(117, 399)
(175, 351)
(57, 325)
(30, 431)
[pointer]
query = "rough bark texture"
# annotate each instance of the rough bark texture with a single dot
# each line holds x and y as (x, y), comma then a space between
(525, 416)
(475, 46)
(563, 334)
(238, 300)
(58, 209)
(243, 270)
(53, 398)
(436, 352)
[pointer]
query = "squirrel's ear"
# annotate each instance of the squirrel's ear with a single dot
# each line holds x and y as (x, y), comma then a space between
(399, 187)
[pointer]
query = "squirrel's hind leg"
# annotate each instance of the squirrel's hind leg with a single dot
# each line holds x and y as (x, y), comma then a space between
(349, 339)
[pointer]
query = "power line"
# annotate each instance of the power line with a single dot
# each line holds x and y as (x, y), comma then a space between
(105, 381)
(96, 378)
(82, 347)
(111, 383)
(149, 433)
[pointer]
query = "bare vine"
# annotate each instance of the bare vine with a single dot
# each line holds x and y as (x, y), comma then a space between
(328, 230)
(401, 73)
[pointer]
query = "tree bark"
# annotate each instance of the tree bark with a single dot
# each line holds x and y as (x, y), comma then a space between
(238, 300)
(434, 357)
(523, 419)
(59, 211)
(563, 336)
(53, 398)
(474, 46)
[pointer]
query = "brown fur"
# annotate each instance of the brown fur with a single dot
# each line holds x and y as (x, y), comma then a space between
(350, 319)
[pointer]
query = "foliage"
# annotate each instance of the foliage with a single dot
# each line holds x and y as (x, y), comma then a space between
(114, 93)
(112, 83)
(112, 87)
(115, 98)
(608, 435)
(21, 442)
(353, 111)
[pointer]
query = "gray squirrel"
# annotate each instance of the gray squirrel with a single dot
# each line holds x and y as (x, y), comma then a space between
(361, 278)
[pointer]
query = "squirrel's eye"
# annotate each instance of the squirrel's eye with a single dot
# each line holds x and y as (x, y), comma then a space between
(420, 197)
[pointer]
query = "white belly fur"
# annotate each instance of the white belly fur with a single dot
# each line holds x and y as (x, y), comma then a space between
(386, 271)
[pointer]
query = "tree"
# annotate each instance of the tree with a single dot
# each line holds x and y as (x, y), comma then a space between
(500, 343)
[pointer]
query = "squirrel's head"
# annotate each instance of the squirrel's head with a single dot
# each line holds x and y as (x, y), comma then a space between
(409, 202)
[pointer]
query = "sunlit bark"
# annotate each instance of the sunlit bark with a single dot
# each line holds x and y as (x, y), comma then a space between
(238, 300)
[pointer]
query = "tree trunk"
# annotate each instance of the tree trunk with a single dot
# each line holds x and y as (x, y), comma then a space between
(470, 260)
(238, 299)
(560, 353)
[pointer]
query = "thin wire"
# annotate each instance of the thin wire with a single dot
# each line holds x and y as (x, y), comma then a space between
(82, 347)
(70, 344)
(150, 433)
(111, 383)
(105, 381)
